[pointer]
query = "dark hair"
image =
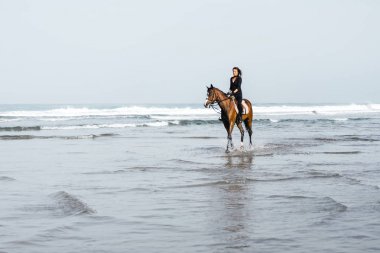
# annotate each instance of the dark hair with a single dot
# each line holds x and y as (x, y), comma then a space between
(238, 70)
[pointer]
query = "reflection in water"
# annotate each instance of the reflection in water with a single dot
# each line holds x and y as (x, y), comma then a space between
(240, 160)
(233, 225)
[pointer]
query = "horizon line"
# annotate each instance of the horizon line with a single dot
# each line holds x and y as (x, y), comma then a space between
(183, 103)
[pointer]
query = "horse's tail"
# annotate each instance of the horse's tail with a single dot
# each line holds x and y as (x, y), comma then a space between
(248, 120)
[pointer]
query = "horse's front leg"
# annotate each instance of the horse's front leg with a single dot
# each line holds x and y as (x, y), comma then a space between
(229, 137)
(230, 134)
(229, 143)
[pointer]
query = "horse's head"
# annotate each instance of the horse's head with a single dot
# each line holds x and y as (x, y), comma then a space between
(211, 96)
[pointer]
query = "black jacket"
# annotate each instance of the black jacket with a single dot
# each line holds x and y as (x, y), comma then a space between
(236, 85)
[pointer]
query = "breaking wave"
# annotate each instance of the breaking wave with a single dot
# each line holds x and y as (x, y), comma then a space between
(121, 111)
(193, 111)
(20, 128)
(30, 137)
(158, 123)
(72, 118)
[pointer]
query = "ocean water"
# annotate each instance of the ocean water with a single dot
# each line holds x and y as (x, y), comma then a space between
(155, 178)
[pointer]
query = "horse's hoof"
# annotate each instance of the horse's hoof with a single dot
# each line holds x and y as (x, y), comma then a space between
(227, 151)
(241, 148)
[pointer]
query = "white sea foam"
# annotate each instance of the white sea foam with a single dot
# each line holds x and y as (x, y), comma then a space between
(178, 113)
(183, 117)
(316, 110)
(89, 126)
(71, 127)
(56, 119)
(156, 124)
(122, 111)
(96, 126)
(9, 120)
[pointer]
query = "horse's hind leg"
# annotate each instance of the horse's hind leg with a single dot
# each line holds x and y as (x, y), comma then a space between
(248, 126)
(240, 126)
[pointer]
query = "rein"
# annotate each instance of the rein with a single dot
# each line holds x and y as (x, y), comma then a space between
(223, 100)
(216, 109)
(213, 105)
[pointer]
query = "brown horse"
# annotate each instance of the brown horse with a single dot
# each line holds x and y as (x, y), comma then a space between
(229, 114)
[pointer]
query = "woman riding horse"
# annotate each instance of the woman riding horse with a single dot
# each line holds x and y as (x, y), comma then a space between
(235, 89)
(229, 115)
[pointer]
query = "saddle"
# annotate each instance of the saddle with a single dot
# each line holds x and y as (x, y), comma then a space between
(244, 105)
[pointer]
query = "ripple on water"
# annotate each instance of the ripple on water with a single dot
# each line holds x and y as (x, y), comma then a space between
(5, 178)
(70, 205)
(316, 204)
(61, 204)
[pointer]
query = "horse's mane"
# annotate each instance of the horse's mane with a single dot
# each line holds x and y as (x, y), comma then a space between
(220, 91)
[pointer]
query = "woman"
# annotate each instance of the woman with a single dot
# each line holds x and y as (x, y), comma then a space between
(235, 89)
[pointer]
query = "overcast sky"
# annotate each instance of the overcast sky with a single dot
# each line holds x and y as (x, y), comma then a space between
(91, 51)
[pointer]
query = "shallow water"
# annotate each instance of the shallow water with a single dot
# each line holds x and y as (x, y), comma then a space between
(157, 179)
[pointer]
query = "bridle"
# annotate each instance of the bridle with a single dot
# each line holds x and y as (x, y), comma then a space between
(213, 104)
